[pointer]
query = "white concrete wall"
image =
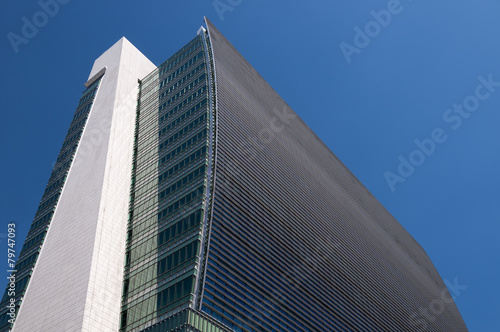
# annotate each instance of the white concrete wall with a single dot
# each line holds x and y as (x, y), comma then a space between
(77, 281)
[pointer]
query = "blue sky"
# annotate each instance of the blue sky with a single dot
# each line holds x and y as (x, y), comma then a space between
(400, 90)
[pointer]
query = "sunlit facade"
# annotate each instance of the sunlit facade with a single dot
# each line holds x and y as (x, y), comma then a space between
(191, 197)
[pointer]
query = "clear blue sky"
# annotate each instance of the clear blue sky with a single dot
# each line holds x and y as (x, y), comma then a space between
(400, 86)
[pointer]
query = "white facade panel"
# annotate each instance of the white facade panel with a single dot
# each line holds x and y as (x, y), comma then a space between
(77, 282)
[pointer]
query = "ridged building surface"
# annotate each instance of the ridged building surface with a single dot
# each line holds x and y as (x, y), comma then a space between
(239, 217)
(295, 236)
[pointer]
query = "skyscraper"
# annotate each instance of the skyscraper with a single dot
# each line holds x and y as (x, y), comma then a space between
(190, 197)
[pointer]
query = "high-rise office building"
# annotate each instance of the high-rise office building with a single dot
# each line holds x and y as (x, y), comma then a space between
(190, 197)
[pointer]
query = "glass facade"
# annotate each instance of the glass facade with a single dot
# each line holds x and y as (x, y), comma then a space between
(241, 219)
(36, 234)
(170, 189)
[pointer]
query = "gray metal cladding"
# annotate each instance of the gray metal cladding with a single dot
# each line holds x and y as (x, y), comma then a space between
(297, 242)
